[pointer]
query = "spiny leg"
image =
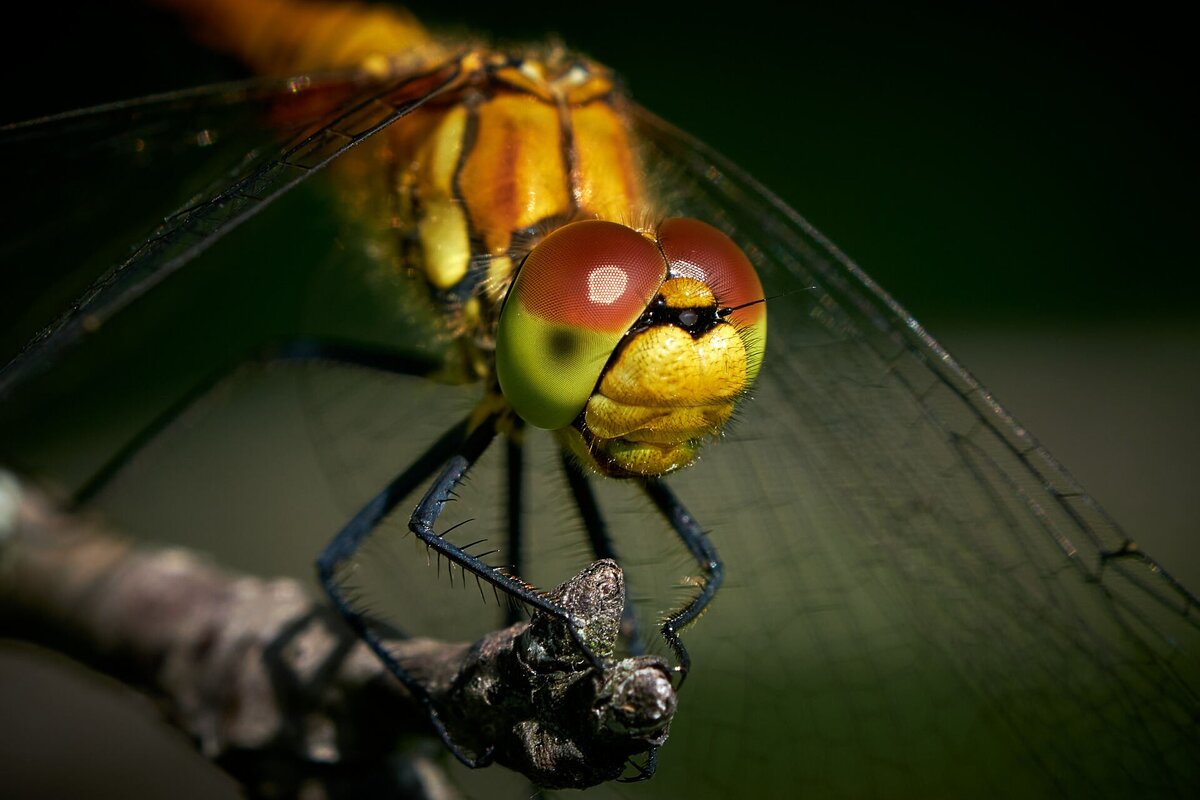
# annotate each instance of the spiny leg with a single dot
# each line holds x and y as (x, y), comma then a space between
(601, 542)
(351, 537)
(697, 542)
(430, 508)
(457, 451)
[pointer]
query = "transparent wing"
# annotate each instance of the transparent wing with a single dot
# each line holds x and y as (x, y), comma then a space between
(921, 601)
(224, 153)
(917, 600)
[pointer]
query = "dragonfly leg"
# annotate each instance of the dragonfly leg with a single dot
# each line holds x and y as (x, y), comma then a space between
(702, 549)
(601, 542)
(456, 451)
(430, 508)
(291, 351)
(350, 538)
(642, 772)
(602, 547)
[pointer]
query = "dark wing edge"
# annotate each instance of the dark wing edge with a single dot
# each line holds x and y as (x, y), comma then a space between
(209, 94)
(190, 231)
(1092, 541)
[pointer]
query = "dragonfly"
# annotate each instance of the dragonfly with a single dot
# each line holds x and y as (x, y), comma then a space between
(923, 533)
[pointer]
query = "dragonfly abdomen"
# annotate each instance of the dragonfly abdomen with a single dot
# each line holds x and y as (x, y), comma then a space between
(284, 37)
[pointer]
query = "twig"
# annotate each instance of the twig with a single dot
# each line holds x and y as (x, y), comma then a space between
(274, 687)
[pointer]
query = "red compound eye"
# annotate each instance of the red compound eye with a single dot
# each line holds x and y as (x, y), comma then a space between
(578, 292)
(697, 250)
(597, 275)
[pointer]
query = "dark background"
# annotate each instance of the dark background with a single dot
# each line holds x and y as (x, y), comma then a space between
(1038, 155)
(1034, 155)
(1020, 176)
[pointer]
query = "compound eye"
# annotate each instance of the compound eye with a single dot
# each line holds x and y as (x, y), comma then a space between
(577, 294)
(697, 250)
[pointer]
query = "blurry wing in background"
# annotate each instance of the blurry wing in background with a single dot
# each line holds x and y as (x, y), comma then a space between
(224, 153)
(919, 595)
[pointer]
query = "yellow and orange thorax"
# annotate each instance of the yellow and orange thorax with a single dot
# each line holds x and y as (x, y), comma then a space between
(525, 145)
(513, 147)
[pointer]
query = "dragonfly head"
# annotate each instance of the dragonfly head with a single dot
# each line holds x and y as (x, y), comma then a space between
(635, 348)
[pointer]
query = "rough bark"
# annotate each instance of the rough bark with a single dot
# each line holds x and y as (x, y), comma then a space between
(272, 685)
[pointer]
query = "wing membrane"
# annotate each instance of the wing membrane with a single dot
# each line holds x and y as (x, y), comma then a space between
(923, 597)
(920, 601)
(338, 117)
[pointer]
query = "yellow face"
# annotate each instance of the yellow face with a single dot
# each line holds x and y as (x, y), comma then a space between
(634, 350)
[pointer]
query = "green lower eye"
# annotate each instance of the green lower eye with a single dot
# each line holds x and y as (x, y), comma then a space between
(572, 301)
(547, 372)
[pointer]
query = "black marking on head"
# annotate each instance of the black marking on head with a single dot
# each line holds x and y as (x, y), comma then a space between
(696, 321)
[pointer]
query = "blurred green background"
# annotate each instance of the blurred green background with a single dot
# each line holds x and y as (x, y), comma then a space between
(1019, 176)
